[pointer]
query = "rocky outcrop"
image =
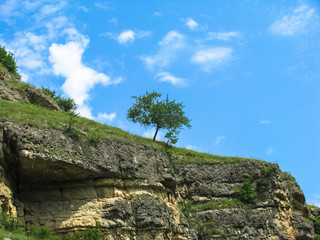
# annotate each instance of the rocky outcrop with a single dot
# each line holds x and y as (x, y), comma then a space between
(136, 192)
(11, 93)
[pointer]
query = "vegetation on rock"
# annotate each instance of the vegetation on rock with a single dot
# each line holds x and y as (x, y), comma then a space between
(66, 104)
(247, 193)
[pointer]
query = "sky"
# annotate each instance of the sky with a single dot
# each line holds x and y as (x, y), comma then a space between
(246, 71)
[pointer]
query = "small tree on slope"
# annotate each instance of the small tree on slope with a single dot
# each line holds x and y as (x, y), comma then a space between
(148, 110)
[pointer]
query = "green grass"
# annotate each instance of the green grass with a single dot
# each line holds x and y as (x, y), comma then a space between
(39, 117)
(14, 235)
(85, 129)
(182, 155)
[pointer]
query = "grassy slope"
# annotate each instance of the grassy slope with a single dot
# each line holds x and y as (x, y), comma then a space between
(36, 116)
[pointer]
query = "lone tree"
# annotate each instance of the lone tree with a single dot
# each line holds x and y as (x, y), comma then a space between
(148, 110)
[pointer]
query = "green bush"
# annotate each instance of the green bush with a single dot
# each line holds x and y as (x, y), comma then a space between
(316, 222)
(247, 193)
(66, 104)
(89, 234)
(10, 224)
(42, 233)
(7, 59)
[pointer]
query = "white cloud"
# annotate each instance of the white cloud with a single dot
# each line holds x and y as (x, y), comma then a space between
(173, 39)
(8, 9)
(48, 10)
(83, 8)
(295, 22)
(150, 134)
(219, 139)
(224, 36)
(270, 150)
(85, 111)
(192, 24)
(264, 121)
(103, 5)
(104, 117)
(157, 14)
(113, 20)
(167, 77)
(169, 47)
(211, 57)
(66, 60)
(126, 36)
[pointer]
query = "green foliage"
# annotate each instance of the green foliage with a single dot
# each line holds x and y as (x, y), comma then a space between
(316, 222)
(266, 173)
(7, 59)
(66, 104)
(162, 114)
(41, 233)
(10, 224)
(247, 193)
(204, 228)
(184, 156)
(89, 234)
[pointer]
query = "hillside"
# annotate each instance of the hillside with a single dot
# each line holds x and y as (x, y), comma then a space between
(131, 187)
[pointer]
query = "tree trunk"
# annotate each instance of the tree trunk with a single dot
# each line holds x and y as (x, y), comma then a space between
(155, 135)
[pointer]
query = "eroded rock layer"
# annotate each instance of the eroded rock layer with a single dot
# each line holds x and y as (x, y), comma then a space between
(135, 192)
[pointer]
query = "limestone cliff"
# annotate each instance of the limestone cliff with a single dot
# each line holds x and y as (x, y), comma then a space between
(135, 191)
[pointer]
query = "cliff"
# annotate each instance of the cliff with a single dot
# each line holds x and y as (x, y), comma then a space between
(133, 188)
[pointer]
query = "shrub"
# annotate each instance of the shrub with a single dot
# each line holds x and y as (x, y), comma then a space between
(66, 104)
(7, 59)
(246, 194)
(316, 222)
(42, 233)
(10, 224)
(89, 234)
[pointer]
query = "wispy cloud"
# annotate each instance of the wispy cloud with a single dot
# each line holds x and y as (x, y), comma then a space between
(113, 20)
(270, 150)
(104, 117)
(8, 9)
(157, 14)
(102, 5)
(192, 25)
(169, 46)
(211, 57)
(167, 77)
(126, 36)
(219, 139)
(223, 36)
(265, 121)
(295, 22)
(48, 10)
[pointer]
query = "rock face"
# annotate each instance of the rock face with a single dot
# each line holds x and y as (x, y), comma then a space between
(35, 96)
(135, 192)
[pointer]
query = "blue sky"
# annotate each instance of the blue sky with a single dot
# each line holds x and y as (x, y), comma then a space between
(247, 71)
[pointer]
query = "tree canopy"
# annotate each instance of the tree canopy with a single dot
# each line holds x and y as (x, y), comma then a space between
(148, 110)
